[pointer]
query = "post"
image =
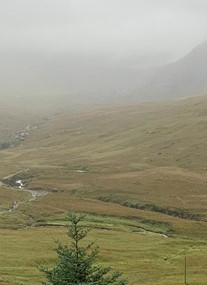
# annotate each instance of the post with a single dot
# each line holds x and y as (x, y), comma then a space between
(185, 272)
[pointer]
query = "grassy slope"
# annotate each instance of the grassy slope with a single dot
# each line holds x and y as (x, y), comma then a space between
(151, 153)
(143, 153)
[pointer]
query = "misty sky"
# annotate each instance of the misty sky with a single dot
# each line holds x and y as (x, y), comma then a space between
(146, 29)
(93, 47)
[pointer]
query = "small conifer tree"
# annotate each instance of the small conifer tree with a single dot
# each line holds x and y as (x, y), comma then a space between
(76, 265)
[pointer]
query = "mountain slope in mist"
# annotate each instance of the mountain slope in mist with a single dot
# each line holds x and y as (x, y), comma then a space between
(100, 78)
(185, 77)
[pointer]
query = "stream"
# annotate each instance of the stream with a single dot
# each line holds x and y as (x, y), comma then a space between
(21, 187)
(34, 195)
(20, 136)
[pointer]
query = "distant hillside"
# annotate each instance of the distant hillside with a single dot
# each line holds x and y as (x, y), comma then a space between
(158, 134)
(185, 77)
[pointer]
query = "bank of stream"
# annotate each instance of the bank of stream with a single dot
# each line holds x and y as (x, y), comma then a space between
(19, 137)
(15, 182)
(34, 196)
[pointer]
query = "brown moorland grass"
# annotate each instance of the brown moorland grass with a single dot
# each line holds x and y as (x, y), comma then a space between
(149, 153)
(170, 134)
(129, 154)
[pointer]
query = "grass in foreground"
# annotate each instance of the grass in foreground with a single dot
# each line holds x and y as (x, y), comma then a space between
(144, 258)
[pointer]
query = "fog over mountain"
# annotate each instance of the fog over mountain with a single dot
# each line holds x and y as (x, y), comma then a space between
(85, 77)
(185, 77)
(102, 50)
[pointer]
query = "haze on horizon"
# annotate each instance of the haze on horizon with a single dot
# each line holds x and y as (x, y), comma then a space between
(67, 46)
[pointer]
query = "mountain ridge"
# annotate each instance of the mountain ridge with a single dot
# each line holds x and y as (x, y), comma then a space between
(183, 78)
